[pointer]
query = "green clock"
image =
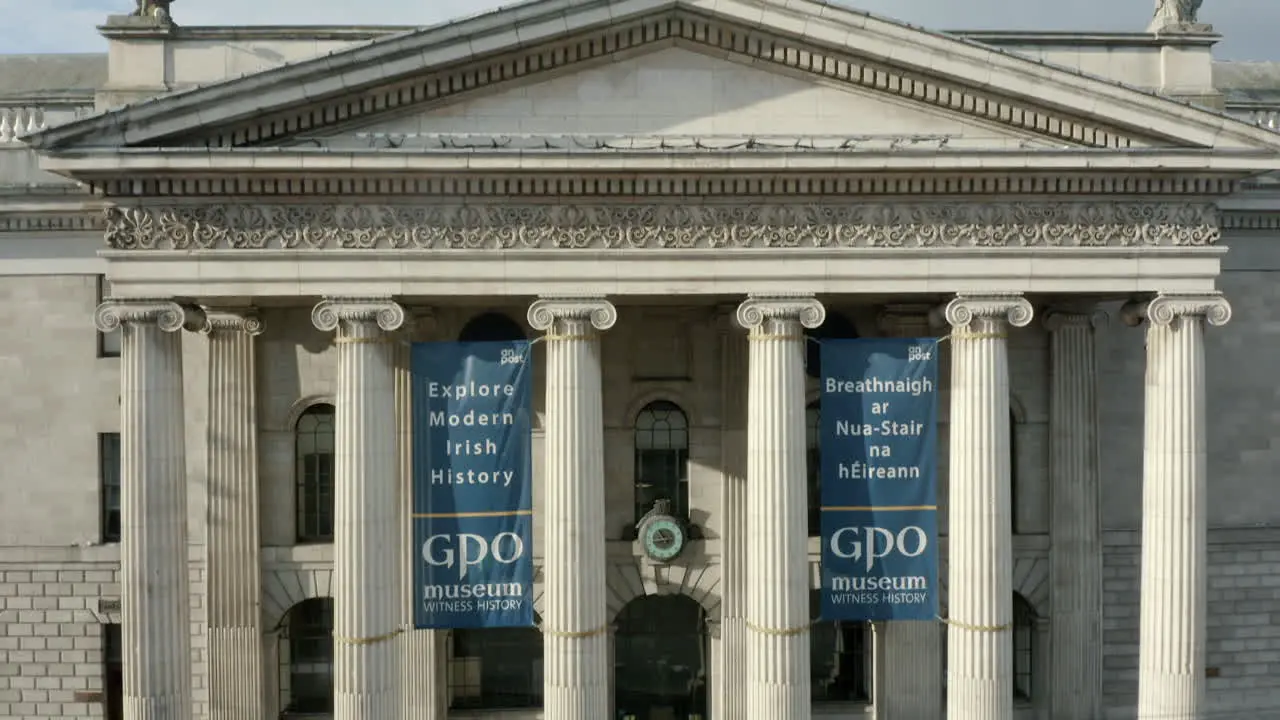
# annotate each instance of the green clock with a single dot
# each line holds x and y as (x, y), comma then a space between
(663, 537)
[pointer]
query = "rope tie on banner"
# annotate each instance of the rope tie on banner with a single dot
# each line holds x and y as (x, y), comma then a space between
(566, 337)
(978, 336)
(976, 628)
(576, 634)
(776, 336)
(367, 640)
(779, 632)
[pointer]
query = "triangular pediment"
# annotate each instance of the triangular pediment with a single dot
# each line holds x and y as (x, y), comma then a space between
(849, 73)
(681, 97)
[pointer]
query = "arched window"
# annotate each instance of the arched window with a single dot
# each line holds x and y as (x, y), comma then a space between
(496, 668)
(813, 467)
(306, 658)
(662, 458)
(314, 443)
(1024, 648)
(491, 327)
(840, 657)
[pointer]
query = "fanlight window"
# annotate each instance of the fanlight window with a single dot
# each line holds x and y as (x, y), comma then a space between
(314, 441)
(662, 458)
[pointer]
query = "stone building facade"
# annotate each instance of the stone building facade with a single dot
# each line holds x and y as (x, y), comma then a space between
(192, 225)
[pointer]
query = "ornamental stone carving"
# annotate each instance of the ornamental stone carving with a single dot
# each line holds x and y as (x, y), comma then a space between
(661, 226)
(1167, 307)
(1009, 307)
(329, 313)
(545, 311)
(756, 309)
(166, 314)
(232, 320)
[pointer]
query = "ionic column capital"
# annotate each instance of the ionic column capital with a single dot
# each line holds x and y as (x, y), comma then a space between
(232, 320)
(965, 308)
(164, 313)
(756, 309)
(331, 312)
(1163, 309)
(545, 311)
(1070, 317)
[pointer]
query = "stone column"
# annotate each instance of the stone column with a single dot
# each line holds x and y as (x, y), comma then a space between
(425, 696)
(1075, 555)
(1171, 663)
(912, 664)
(233, 555)
(730, 667)
(367, 558)
(154, 571)
(980, 542)
(777, 506)
(574, 617)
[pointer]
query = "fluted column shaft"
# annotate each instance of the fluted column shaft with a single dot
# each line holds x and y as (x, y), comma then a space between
(980, 541)
(1075, 555)
(1171, 662)
(731, 659)
(424, 680)
(154, 581)
(777, 506)
(911, 667)
(232, 566)
(367, 566)
(575, 619)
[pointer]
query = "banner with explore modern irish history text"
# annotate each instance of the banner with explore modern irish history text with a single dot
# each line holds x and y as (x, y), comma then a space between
(472, 484)
(878, 440)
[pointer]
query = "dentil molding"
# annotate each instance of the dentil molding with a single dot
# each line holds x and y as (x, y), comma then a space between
(662, 226)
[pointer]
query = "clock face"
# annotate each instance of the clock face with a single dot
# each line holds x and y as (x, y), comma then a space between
(663, 539)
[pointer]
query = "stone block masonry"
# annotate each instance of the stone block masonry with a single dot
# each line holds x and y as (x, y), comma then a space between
(53, 617)
(1243, 643)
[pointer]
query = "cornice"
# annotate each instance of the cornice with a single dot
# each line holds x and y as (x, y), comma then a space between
(660, 184)
(684, 28)
(669, 226)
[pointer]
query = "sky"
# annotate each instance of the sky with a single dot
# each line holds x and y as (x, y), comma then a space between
(42, 26)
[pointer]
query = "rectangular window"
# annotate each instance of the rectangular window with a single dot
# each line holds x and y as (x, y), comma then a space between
(112, 673)
(109, 485)
(108, 343)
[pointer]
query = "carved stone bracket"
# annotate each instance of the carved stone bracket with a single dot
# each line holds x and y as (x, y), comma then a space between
(166, 314)
(1167, 307)
(662, 226)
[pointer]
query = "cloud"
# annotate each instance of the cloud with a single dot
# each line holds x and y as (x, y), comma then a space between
(69, 25)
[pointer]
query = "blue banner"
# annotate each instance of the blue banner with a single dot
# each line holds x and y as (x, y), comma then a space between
(879, 443)
(472, 484)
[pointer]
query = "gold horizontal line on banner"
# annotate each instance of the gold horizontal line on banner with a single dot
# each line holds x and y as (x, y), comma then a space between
(491, 513)
(890, 508)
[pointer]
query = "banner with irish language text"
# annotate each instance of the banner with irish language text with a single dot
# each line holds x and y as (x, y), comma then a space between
(878, 441)
(472, 484)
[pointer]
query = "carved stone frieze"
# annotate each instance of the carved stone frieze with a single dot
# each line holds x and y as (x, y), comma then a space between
(662, 226)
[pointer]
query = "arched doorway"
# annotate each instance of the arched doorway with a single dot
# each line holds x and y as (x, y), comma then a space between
(660, 659)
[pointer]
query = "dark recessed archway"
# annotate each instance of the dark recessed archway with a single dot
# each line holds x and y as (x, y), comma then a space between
(491, 327)
(660, 658)
(835, 327)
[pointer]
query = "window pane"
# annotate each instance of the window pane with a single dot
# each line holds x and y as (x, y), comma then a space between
(840, 659)
(109, 486)
(310, 640)
(496, 668)
(113, 672)
(662, 458)
(315, 440)
(1024, 647)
